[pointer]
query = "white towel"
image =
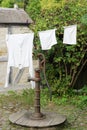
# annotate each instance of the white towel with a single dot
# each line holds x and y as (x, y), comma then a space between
(70, 33)
(47, 39)
(20, 48)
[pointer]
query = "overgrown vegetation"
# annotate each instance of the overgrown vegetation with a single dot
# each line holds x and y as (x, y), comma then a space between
(26, 98)
(65, 61)
(10, 3)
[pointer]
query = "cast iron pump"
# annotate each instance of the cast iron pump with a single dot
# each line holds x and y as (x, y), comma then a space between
(37, 114)
(37, 118)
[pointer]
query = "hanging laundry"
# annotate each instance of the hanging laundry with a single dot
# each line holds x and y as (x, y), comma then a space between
(70, 33)
(47, 39)
(20, 48)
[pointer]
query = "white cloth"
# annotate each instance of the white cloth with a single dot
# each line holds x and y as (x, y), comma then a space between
(47, 39)
(70, 33)
(20, 48)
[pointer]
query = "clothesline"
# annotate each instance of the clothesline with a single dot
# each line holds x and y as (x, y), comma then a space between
(20, 47)
(19, 53)
(48, 37)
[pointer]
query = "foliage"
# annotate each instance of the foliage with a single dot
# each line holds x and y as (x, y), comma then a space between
(46, 4)
(84, 19)
(65, 61)
(27, 97)
(68, 60)
(10, 3)
(7, 3)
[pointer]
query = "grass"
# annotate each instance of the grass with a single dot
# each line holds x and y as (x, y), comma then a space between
(74, 107)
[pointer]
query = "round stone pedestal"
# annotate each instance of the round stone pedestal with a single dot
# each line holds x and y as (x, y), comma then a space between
(23, 118)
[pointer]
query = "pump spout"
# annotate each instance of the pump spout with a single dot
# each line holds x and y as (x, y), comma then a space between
(33, 79)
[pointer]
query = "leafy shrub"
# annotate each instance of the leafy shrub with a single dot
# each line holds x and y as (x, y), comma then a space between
(10, 3)
(65, 61)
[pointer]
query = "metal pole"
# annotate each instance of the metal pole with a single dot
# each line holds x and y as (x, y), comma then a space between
(37, 113)
(37, 92)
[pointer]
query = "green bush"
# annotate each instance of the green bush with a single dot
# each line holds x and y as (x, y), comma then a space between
(64, 63)
(10, 3)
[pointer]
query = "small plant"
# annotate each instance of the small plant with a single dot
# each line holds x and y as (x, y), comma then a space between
(84, 90)
(27, 97)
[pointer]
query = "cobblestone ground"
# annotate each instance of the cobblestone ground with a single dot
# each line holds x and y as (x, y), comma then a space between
(76, 118)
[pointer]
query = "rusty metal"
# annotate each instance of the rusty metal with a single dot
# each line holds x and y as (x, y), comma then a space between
(29, 119)
(42, 67)
(37, 115)
(41, 60)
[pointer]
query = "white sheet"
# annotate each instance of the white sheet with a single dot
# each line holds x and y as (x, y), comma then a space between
(20, 52)
(70, 33)
(47, 39)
